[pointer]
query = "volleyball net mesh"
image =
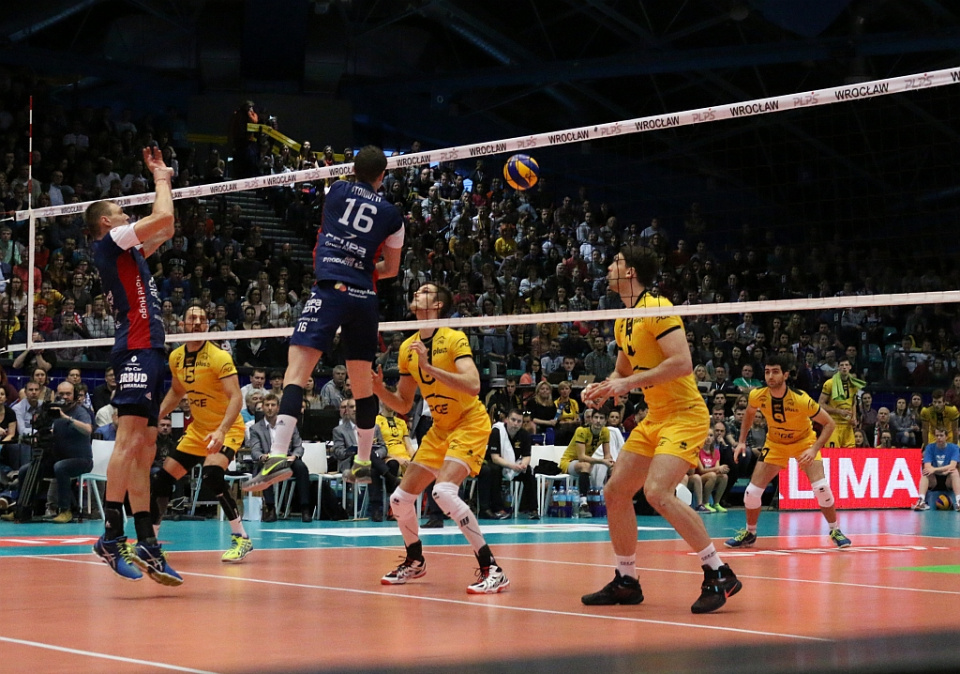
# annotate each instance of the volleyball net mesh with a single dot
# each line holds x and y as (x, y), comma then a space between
(826, 216)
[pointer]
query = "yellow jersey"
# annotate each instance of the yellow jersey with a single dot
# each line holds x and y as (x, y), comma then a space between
(945, 419)
(788, 418)
(590, 441)
(844, 404)
(637, 338)
(447, 405)
(200, 373)
(394, 430)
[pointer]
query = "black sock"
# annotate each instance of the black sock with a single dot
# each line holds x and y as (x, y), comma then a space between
(485, 557)
(112, 519)
(415, 552)
(143, 523)
(291, 401)
(584, 484)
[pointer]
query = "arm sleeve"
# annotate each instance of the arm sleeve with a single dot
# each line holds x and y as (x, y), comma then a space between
(125, 237)
(493, 444)
(395, 240)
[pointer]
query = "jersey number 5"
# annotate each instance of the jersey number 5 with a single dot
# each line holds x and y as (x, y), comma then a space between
(362, 220)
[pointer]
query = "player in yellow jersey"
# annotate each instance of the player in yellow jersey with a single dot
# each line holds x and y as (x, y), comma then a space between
(578, 460)
(939, 415)
(206, 375)
(839, 399)
(790, 435)
(440, 362)
(654, 356)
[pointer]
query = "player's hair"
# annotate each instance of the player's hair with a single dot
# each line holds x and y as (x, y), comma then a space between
(939, 429)
(938, 393)
(784, 360)
(643, 261)
(92, 216)
(369, 163)
(445, 297)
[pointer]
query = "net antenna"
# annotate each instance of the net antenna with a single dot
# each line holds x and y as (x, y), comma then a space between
(744, 109)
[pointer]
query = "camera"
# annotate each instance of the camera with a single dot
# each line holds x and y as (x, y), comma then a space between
(43, 422)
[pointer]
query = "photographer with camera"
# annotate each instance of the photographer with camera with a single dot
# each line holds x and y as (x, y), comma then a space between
(62, 432)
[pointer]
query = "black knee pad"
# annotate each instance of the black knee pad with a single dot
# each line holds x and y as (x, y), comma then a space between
(162, 484)
(367, 409)
(213, 477)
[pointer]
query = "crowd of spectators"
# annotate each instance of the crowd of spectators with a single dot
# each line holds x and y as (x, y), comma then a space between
(501, 251)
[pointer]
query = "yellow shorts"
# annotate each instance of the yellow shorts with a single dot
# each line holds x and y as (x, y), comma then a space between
(842, 437)
(467, 444)
(780, 455)
(192, 441)
(681, 434)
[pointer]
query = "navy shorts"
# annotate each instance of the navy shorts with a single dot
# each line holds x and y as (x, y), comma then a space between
(333, 305)
(140, 374)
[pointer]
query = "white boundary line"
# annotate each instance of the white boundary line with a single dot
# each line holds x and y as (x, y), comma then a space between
(103, 656)
(475, 604)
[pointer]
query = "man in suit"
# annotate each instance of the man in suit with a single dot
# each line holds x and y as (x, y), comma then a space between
(345, 449)
(260, 438)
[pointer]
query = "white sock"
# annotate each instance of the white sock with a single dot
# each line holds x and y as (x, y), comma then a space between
(283, 434)
(236, 527)
(364, 443)
(709, 557)
(404, 509)
(833, 526)
(627, 566)
(447, 497)
(752, 528)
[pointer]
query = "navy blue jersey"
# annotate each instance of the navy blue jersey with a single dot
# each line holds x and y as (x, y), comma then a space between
(356, 222)
(130, 288)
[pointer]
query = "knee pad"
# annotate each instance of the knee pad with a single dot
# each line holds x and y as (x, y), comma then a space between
(447, 496)
(367, 409)
(821, 489)
(400, 501)
(213, 476)
(751, 497)
(162, 484)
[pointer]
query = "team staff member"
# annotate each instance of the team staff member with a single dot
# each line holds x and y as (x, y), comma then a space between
(578, 459)
(397, 438)
(654, 356)
(839, 398)
(138, 359)
(206, 375)
(789, 435)
(358, 224)
(440, 362)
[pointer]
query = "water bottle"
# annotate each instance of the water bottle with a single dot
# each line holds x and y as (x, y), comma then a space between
(553, 508)
(602, 504)
(574, 503)
(562, 502)
(593, 500)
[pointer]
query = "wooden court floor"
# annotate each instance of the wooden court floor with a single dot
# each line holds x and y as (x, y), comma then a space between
(309, 598)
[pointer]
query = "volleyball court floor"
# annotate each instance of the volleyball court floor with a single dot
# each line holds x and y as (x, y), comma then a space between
(309, 597)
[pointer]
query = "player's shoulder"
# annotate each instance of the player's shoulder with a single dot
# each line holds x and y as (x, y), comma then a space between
(176, 356)
(799, 394)
(759, 393)
(450, 337)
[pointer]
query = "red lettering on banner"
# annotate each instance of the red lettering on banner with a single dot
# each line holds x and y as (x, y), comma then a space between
(859, 478)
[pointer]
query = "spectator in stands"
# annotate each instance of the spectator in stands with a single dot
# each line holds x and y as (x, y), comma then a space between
(867, 416)
(713, 473)
(258, 379)
(103, 393)
(542, 408)
(345, 449)
(905, 424)
(255, 351)
(311, 398)
(746, 382)
(253, 403)
(107, 431)
(599, 362)
(568, 373)
(568, 414)
(501, 399)
(334, 391)
(259, 438)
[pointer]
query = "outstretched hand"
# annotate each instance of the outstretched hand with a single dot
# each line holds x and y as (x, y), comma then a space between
(153, 160)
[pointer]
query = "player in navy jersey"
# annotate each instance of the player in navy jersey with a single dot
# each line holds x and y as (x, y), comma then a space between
(120, 250)
(358, 227)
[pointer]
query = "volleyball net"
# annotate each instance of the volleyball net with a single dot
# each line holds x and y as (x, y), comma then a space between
(832, 207)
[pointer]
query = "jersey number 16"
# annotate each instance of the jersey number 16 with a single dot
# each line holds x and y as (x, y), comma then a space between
(362, 220)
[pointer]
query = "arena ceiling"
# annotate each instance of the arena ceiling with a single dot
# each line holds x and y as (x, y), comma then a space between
(453, 71)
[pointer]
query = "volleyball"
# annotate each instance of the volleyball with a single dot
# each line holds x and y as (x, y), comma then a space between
(943, 502)
(521, 172)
